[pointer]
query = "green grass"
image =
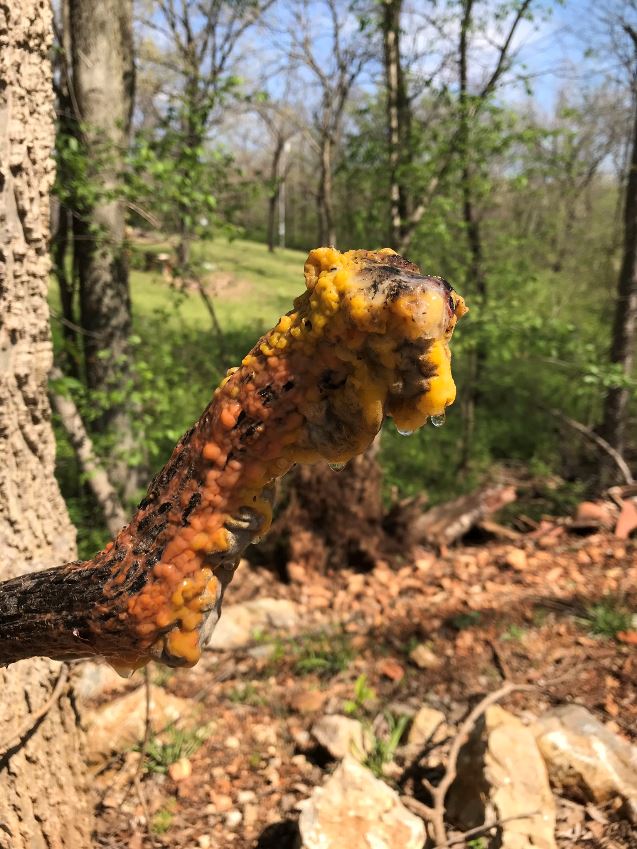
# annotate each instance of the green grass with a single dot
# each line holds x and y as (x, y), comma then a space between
(606, 618)
(267, 284)
(175, 743)
(323, 654)
(383, 747)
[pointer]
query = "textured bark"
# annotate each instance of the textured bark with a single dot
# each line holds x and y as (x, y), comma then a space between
(103, 74)
(42, 792)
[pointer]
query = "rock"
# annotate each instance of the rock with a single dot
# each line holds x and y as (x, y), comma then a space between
(180, 770)
(516, 559)
(241, 623)
(341, 736)
(307, 701)
(121, 723)
(583, 754)
(233, 818)
(627, 521)
(502, 764)
(424, 657)
(354, 809)
(221, 802)
(91, 679)
(427, 725)
(594, 515)
(390, 668)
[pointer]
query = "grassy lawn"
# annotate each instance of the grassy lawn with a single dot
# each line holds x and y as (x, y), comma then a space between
(266, 286)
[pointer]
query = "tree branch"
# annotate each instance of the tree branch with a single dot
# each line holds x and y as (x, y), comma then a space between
(156, 590)
(597, 440)
(96, 477)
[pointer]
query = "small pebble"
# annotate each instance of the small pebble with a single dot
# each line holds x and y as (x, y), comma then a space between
(233, 818)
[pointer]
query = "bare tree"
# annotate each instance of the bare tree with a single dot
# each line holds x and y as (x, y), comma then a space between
(40, 735)
(470, 105)
(335, 62)
(475, 91)
(281, 120)
(202, 47)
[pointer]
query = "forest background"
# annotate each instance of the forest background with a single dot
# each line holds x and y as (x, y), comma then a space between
(203, 147)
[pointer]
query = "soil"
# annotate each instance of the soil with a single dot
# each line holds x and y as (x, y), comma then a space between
(488, 612)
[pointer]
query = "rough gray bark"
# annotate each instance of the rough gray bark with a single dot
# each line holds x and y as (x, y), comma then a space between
(103, 76)
(616, 405)
(43, 800)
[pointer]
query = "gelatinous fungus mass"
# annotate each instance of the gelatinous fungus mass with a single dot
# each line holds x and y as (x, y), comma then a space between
(368, 338)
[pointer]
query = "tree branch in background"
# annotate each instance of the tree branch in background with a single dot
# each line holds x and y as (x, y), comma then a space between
(597, 440)
(96, 477)
(335, 71)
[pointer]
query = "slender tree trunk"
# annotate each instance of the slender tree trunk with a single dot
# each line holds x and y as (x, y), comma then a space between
(477, 281)
(616, 405)
(102, 57)
(275, 190)
(60, 252)
(398, 122)
(43, 796)
(327, 231)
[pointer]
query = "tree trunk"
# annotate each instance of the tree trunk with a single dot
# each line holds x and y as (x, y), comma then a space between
(327, 231)
(43, 800)
(273, 199)
(398, 121)
(625, 321)
(102, 57)
(476, 275)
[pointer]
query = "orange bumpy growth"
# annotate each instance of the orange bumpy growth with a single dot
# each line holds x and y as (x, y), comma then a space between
(368, 338)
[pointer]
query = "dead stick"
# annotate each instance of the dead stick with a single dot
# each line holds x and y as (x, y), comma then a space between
(436, 812)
